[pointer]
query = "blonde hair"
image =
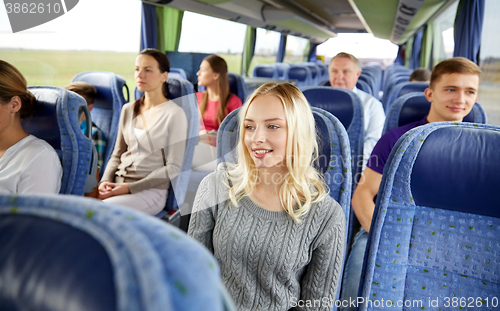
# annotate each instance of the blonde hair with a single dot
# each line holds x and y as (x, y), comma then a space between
(301, 184)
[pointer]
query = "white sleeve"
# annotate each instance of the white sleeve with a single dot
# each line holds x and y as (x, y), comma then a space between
(375, 116)
(42, 174)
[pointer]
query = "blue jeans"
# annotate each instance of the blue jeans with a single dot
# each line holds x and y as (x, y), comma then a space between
(352, 271)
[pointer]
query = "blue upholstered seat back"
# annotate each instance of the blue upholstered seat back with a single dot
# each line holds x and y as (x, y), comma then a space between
(365, 87)
(300, 73)
(237, 86)
(413, 107)
(69, 253)
(436, 230)
(57, 120)
(107, 105)
(404, 88)
(346, 106)
(265, 71)
(182, 93)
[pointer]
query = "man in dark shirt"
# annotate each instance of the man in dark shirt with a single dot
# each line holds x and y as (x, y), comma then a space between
(452, 93)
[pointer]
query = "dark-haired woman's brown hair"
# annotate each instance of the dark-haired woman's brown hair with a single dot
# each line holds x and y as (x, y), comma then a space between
(13, 83)
(218, 65)
(163, 65)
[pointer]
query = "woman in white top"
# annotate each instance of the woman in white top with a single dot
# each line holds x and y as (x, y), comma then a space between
(27, 164)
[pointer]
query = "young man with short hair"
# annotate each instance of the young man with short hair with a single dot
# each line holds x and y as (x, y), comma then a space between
(452, 93)
(88, 92)
(344, 71)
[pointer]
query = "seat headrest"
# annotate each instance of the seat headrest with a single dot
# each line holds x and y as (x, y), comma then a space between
(457, 169)
(43, 122)
(297, 73)
(52, 265)
(105, 83)
(409, 87)
(338, 102)
(264, 71)
(416, 107)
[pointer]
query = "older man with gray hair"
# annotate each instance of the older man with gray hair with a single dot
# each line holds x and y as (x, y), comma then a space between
(344, 72)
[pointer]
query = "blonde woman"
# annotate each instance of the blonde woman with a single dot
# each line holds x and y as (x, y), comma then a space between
(276, 233)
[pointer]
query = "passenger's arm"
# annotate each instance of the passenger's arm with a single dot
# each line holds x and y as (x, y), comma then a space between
(375, 126)
(119, 149)
(321, 280)
(362, 199)
(174, 149)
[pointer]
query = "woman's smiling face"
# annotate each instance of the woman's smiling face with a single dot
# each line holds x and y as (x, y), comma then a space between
(266, 132)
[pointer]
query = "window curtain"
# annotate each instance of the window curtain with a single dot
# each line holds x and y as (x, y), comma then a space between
(416, 48)
(468, 28)
(148, 27)
(426, 51)
(281, 49)
(169, 28)
(400, 58)
(248, 50)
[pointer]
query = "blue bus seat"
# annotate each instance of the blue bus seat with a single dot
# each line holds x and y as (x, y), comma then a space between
(107, 105)
(435, 232)
(67, 253)
(179, 71)
(413, 107)
(281, 67)
(346, 106)
(300, 73)
(365, 87)
(265, 71)
(237, 86)
(369, 78)
(182, 93)
(332, 163)
(56, 119)
(403, 88)
(315, 73)
(391, 83)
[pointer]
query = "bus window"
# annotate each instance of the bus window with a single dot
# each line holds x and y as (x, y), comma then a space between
(266, 48)
(489, 60)
(220, 37)
(443, 45)
(295, 49)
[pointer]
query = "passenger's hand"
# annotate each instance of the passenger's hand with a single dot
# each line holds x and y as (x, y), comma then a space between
(109, 189)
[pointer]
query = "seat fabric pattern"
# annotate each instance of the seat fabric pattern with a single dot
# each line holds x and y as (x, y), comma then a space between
(346, 106)
(155, 266)
(58, 106)
(445, 242)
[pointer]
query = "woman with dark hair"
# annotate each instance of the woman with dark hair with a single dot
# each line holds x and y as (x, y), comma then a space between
(150, 143)
(215, 103)
(27, 164)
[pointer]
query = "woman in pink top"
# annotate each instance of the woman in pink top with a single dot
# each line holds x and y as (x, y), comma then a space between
(216, 101)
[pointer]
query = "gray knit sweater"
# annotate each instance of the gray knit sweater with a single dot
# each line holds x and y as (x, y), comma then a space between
(267, 260)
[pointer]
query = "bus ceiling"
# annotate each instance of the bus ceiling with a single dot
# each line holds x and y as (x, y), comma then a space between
(319, 20)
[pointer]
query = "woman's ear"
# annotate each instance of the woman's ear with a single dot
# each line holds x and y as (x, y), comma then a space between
(16, 104)
(216, 75)
(165, 74)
